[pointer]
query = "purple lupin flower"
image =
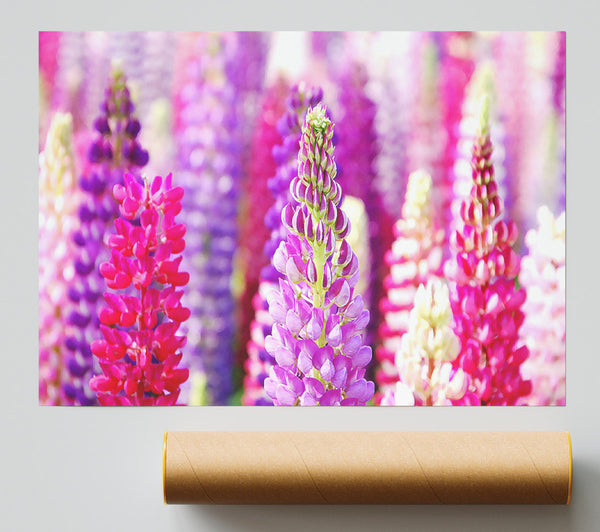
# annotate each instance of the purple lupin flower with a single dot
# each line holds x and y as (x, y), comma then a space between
(317, 339)
(356, 153)
(114, 152)
(209, 160)
(245, 69)
(285, 155)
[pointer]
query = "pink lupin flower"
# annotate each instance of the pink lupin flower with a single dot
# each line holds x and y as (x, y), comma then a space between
(482, 83)
(49, 42)
(485, 302)
(543, 331)
(456, 67)
(255, 203)
(415, 257)
(140, 351)
(59, 201)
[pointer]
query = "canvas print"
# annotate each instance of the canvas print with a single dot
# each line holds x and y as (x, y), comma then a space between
(302, 218)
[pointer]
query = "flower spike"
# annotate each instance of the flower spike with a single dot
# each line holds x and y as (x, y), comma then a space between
(318, 335)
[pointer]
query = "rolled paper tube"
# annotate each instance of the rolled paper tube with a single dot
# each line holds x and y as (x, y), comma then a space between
(367, 467)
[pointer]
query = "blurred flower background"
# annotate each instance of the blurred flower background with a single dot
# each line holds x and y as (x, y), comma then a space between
(433, 163)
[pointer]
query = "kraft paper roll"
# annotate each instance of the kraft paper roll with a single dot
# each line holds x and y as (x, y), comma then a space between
(367, 468)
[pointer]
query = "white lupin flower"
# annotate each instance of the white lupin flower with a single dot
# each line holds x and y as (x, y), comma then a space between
(58, 203)
(543, 331)
(429, 346)
(415, 257)
(359, 242)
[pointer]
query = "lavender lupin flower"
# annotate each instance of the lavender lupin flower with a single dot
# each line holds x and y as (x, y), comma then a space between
(69, 93)
(114, 152)
(209, 159)
(96, 70)
(158, 68)
(285, 155)
(301, 99)
(318, 335)
(392, 91)
(130, 47)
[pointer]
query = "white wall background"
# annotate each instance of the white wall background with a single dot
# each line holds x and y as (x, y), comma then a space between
(100, 469)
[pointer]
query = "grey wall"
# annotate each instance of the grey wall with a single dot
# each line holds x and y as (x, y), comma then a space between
(100, 469)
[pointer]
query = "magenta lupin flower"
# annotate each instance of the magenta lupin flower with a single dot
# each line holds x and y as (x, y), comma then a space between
(49, 43)
(485, 301)
(456, 67)
(140, 351)
(255, 202)
(318, 335)
(415, 258)
(48, 46)
(115, 150)
(543, 331)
